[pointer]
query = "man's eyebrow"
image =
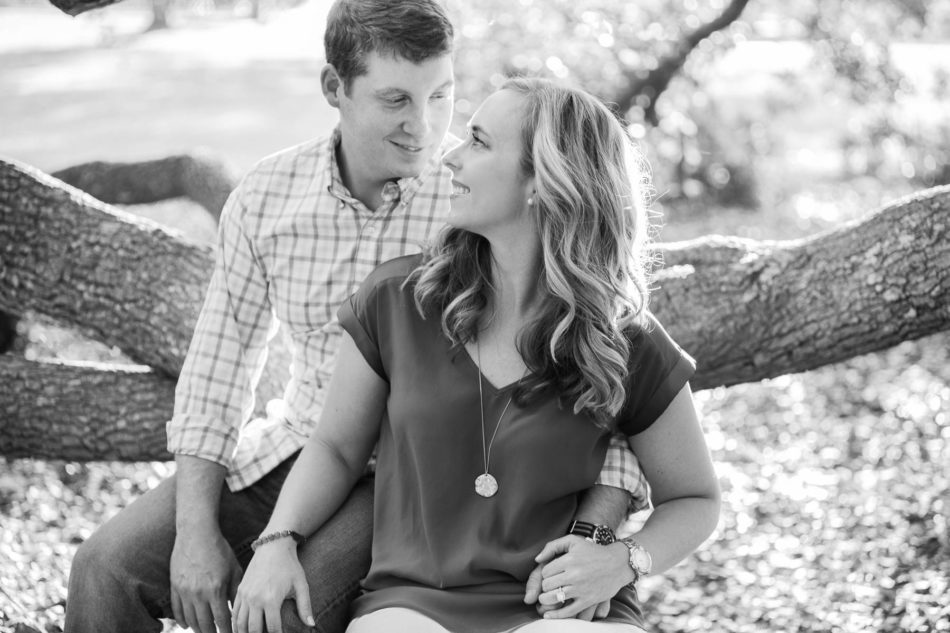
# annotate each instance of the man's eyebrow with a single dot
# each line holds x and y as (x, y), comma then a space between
(391, 92)
(394, 91)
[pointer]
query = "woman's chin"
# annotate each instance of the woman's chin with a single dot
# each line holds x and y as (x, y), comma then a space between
(458, 218)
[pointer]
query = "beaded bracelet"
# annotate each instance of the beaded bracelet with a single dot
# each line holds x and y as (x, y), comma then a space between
(273, 536)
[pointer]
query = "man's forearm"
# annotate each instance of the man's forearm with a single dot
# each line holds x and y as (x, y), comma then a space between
(604, 505)
(197, 493)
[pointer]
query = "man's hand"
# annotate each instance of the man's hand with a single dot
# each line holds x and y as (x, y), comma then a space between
(533, 591)
(584, 574)
(204, 575)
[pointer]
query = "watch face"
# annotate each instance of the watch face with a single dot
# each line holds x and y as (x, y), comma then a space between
(642, 560)
(604, 535)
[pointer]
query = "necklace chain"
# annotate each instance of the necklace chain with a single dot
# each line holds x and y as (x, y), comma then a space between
(486, 452)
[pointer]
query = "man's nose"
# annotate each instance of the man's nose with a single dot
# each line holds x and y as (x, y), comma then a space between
(417, 123)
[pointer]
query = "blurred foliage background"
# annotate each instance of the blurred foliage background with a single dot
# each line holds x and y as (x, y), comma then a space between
(789, 119)
(872, 75)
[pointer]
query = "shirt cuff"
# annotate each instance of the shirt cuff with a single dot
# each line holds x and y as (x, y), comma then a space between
(199, 436)
(622, 470)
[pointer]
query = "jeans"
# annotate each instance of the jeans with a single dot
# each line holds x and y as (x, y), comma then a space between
(119, 579)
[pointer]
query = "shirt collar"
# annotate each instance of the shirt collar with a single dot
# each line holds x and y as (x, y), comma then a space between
(394, 191)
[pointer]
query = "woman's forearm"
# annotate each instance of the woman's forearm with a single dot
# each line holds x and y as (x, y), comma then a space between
(685, 489)
(676, 528)
(316, 486)
(336, 454)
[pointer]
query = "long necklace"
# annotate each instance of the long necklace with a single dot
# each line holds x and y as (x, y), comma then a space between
(485, 484)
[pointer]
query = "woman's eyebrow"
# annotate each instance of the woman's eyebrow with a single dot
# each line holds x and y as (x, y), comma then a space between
(477, 129)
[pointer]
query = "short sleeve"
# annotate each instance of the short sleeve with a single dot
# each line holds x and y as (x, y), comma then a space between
(359, 316)
(659, 369)
(375, 311)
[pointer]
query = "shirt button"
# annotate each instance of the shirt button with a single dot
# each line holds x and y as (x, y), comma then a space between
(371, 229)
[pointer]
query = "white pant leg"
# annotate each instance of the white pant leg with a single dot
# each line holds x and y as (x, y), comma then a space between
(395, 620)
(577, 626)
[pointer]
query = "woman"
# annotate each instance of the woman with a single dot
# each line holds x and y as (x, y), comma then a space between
(491, 371)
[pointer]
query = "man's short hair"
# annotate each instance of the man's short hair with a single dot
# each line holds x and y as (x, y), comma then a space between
(415, 30)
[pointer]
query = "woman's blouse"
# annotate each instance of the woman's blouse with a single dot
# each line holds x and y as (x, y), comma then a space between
(438, 547)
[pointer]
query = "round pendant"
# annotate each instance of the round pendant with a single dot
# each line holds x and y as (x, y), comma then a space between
(485, 485)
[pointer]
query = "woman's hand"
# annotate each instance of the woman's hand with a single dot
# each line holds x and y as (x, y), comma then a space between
(585, 575)
(533, 590)
(274, 575)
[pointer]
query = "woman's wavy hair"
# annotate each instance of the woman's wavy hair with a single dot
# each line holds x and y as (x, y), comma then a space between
(590, 213)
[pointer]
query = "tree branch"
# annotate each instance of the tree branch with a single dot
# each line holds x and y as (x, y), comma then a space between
(658, 79)
(83, 411)
(746, 310)
(75, 7)
(749, 310)
(206, 179)
(122, 280)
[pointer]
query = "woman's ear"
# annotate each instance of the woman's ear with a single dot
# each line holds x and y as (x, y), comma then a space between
(331, 84)
(531, 192)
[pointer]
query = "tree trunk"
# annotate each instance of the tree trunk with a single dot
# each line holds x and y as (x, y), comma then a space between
(206, 179)
(8, 331)
(747, 310)
(159, 15)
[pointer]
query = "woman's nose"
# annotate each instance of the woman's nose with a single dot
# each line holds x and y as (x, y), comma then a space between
(451, 157)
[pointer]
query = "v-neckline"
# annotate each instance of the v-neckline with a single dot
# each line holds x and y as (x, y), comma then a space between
(488, 383)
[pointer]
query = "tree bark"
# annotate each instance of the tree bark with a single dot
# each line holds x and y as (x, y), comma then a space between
(746, 310)
(119, 279)
(750, 310)
(83, 411)
(206, 179)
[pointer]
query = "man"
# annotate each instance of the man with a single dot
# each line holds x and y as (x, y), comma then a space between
(296, 237)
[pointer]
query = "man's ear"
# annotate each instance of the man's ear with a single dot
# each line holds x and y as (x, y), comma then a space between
(331, 84)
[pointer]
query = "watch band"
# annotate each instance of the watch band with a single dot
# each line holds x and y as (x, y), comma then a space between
(600, 534)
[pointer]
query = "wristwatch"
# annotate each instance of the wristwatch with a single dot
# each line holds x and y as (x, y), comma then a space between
(640, 560)
(600, 534)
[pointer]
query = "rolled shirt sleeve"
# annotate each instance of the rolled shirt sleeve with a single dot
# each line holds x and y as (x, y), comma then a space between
(622, 470)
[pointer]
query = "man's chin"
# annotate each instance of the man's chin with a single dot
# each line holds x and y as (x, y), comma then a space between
(410, 167)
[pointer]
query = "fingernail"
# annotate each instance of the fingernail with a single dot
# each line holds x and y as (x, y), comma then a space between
(310, 621)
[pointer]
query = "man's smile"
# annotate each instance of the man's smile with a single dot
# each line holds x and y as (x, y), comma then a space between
(408, 148)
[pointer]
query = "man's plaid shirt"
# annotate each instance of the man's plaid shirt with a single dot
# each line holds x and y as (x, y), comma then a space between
(292, 245)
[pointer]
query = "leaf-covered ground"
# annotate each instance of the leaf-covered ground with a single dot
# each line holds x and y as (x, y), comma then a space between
(836, 502)
(836, 508)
